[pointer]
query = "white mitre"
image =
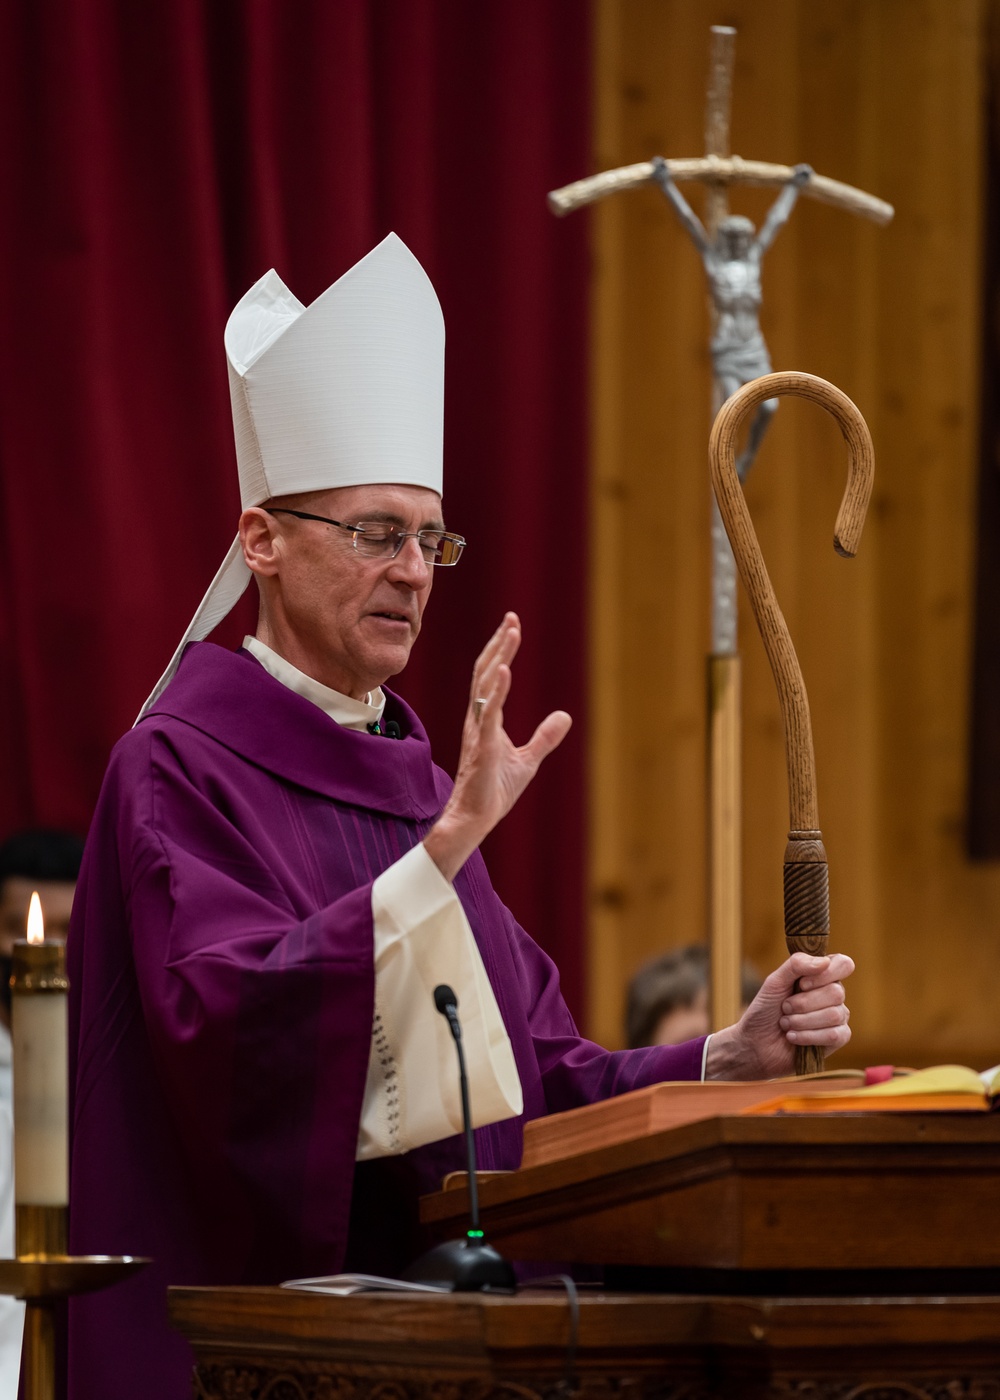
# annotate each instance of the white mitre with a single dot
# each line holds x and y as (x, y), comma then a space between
(346, 392)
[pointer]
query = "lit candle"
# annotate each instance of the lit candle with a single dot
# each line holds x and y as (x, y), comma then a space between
(39, 1034)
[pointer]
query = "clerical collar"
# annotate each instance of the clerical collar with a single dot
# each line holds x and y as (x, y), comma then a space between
(352, 714)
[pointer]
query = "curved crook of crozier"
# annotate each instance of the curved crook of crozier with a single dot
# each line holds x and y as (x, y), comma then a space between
(806, 882)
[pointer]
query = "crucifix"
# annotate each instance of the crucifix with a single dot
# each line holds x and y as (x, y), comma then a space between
(732, 252)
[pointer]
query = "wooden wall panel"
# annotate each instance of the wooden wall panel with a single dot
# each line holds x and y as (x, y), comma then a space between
(887, 95)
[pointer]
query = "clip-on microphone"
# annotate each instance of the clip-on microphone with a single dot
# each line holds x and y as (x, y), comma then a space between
(470, 1265)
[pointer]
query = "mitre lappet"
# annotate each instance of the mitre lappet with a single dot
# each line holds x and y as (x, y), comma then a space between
(348, 391)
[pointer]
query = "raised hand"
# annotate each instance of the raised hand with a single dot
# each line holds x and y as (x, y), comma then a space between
(762, 1043)
(492, 771)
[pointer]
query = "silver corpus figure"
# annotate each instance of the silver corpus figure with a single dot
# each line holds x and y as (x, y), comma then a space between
(732, 263)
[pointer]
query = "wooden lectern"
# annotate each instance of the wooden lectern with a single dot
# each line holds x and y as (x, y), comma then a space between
(796, 1258)
(736, 1198)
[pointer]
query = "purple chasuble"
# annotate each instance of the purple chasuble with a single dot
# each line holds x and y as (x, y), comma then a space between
(221, 966)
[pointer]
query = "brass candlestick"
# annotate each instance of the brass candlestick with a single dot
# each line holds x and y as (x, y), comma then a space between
(43, 1271)
(41, 1276)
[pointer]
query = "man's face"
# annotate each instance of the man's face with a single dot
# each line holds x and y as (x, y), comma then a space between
(351, 621)
(15, 894)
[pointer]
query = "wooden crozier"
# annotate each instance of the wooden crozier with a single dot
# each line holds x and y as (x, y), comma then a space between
(806, 882)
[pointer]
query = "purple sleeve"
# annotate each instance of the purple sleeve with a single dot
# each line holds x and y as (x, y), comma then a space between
(257, 1000)
(575, 1071)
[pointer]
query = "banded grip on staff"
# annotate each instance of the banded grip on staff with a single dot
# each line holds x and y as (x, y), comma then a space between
(807, 916)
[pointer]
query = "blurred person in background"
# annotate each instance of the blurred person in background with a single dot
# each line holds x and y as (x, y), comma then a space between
(667, 999)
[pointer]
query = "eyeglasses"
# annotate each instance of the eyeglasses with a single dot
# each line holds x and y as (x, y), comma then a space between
(377, 539)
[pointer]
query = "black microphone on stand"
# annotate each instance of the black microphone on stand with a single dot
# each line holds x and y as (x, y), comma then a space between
(470, 1265)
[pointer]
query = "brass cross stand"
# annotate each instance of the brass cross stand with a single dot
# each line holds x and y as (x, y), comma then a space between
(806, 883)
(719, 170)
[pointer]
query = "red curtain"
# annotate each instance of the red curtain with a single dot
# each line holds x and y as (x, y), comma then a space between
(156, 159)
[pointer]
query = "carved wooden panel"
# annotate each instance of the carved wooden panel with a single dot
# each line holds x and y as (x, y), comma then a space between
(909, 1388)
(272, 1344)
(235, 1382)
(225, 1381)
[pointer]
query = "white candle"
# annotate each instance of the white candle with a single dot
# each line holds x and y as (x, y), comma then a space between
(39, 1036)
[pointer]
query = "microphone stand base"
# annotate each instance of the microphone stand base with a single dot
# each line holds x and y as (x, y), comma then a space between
(463, 1267)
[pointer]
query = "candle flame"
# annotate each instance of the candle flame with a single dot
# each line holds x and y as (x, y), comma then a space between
(36, 924)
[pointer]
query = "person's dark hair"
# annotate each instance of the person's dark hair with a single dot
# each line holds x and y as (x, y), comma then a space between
(674, 979)
(41, 855)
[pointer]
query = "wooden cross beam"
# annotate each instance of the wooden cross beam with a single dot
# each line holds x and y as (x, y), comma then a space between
(720, 172)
